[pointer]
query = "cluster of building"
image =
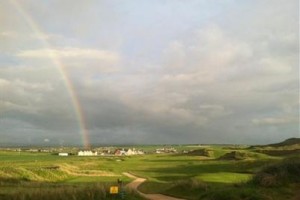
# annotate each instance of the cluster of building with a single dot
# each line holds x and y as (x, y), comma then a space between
(128, 152)
(87, 153)
(166, 150)
(116, 152)
(99, 151)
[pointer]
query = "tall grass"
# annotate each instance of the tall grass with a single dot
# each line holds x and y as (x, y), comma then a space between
(190, 184)
(285, 172)
(34, 174)
(91, 192)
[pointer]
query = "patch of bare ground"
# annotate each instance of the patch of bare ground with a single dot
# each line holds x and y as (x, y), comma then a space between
(138, 181)
(297, 194)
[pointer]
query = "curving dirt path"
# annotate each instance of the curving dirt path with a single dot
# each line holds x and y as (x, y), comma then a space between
(297, 196)
(138, 181)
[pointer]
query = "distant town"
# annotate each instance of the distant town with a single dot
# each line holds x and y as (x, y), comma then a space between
(101, 151)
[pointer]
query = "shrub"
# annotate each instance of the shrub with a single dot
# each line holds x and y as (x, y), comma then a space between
(92, 192)
(287, 171)
(202, 152)
(232, 194)
(190, 184)
(235, 155)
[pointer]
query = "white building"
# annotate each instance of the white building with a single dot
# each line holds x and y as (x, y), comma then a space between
(87, 153)
(63, 154)
(129, 152)
(139, 152)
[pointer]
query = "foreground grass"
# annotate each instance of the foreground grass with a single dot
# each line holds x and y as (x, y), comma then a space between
(46, 191)
(195, 189)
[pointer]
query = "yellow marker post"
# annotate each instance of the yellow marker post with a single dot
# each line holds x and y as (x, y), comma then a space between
(114, 190)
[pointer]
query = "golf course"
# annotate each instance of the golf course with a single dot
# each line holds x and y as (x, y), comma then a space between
(149, 100)
(226, 172)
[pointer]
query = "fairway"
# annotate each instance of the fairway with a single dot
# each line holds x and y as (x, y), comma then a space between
(224, 177)
(24, 172)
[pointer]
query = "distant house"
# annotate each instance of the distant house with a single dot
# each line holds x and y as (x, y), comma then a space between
(127, 152)
(120, 152)
(106, 151)
(166, 150)
(33, 150)
(185, 151)
(87, 153)
(63, 154)
(135, 152)
(140, 152)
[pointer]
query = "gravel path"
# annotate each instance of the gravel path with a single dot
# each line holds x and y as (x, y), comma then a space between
(138, 181)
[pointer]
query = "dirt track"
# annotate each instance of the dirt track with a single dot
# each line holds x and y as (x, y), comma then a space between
(135, 184)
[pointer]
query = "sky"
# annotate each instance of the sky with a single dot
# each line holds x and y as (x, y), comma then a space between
(149, 71)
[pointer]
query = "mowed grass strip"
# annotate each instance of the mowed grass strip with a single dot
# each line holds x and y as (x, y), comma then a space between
(224, 177)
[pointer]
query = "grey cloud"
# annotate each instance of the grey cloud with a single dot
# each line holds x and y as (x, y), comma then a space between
(275, 121)
(230, 79)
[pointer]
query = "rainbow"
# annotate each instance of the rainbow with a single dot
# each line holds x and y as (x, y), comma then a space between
(60, 67)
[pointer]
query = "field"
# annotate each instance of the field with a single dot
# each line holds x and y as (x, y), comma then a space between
(226, 173)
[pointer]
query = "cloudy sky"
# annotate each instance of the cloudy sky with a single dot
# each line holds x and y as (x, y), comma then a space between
(149, 71)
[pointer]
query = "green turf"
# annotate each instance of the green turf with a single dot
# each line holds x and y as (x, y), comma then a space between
(173, 174)
(224, 177)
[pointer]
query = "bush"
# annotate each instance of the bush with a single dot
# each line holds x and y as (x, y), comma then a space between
(287, 171)
(232, 194)
(190, 184)
(235, 155)
(202, 152)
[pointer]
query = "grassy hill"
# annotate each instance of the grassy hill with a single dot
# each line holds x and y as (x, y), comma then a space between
(288, 142)
(289, 146)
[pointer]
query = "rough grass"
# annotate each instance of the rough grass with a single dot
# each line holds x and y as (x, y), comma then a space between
(279, 152)
(202, 152)
(218, 181)
(48, 192)
(232, 194)
(34, 174)
(285, 172)
(241, 155)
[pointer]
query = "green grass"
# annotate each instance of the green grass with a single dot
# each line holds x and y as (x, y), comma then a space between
(188, 176)
(224, 177)
(85, 179)
(45, 191)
